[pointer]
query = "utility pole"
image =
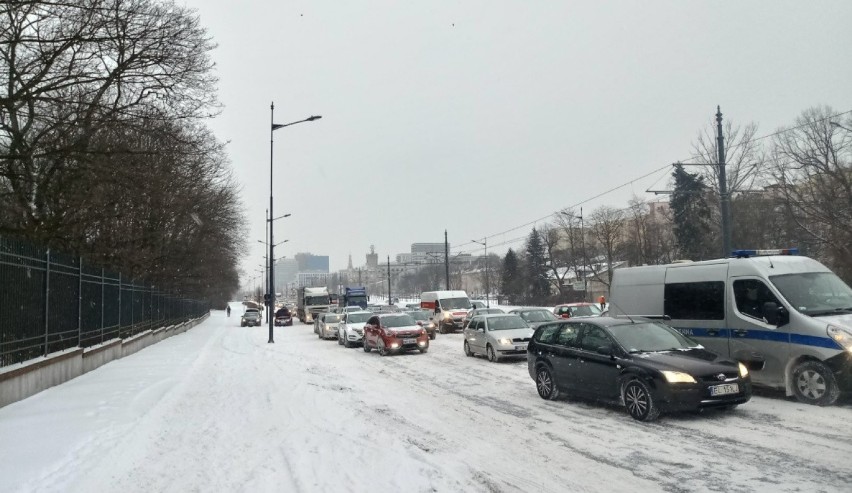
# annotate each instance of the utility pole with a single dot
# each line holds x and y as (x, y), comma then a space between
(723, 187)
(447, 260)
(389, 282)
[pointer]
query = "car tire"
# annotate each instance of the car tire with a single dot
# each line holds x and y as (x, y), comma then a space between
(492, 355)
(319, 334)
(545, 384)
(441, 329)
(814, 383)
(367, 347)
(639, 402)
(346, 343)
(424, 350)
(433, 335)
(242, 325)
(380, 347)
(467, 351)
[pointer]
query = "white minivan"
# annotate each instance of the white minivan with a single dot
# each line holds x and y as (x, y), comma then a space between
(448, 309)
(787, 317)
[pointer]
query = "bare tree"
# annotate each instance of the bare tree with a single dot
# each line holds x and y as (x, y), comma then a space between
(813, 166)
(607, 228)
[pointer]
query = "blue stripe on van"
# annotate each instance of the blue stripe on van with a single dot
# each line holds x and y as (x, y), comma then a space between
(761, 335)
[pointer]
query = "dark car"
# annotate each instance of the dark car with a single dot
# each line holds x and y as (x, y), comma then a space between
(535, 316)
(393, 333)
(251, 317)
(283, 317)
(642, 364)
(422, 319)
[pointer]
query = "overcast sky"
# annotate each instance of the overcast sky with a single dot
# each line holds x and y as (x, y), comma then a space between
(481, 116)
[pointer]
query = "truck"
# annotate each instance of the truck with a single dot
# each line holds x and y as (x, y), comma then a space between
(354, 296)
(310, 302)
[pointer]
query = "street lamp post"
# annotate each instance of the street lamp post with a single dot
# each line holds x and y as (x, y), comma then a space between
(268, 263)
(583, 242)
(484, 243)
(272, 128)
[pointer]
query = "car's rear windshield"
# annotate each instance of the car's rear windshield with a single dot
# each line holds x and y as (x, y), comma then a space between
(506, 323)
(650, 336)
(419, 315)
(401, 320)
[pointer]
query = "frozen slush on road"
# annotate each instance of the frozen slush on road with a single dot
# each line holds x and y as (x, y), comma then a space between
(219, 409)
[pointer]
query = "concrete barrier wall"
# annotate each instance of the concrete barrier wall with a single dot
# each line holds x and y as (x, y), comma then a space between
(101, 354)
(17, 382)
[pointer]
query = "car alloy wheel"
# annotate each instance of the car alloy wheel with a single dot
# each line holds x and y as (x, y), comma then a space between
(467, 351)
(492, 356)
(813, 383)
(367, 347)
(381, 347)
(640, 405)
(545, 385)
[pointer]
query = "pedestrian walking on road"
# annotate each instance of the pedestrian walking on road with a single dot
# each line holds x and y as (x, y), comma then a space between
(228, 310)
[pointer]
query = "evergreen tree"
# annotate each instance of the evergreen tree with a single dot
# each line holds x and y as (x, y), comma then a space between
(538, 286)
(511, 277)
(693, 222)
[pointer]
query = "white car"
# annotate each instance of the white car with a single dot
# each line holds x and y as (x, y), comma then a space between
(350, 330)
(497, 336)
(327, 325)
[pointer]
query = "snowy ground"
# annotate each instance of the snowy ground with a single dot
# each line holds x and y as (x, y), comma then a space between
(219, 409)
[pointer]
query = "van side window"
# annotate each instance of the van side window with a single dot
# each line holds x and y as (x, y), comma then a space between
(695, 300)
(750, 295)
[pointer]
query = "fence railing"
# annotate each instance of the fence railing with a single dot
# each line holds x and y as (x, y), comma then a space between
(50, 301)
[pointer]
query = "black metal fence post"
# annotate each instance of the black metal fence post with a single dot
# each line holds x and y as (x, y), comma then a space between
(46, 300)
(80, 302)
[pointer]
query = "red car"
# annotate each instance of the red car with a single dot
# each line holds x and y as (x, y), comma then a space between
(393, 333)
(571, 310)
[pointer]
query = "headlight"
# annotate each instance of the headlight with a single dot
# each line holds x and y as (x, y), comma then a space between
(431, 325)
(743, 370)
(840, 336)
(448, 315)
(678, 377)
(505, 342)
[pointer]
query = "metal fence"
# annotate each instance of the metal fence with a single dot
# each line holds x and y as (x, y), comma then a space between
(50, 301)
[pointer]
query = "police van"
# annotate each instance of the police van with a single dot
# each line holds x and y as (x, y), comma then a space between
(787, 317)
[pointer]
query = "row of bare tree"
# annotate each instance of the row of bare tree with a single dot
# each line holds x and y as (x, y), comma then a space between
(104, 151)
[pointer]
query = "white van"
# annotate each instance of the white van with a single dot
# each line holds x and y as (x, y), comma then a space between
(788, 318)
(447, 308)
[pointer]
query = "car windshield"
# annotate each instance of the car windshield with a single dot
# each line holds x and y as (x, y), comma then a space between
(419, 315)
(401, 320)
(455, 303)
(357, 318)
(506, 323)
(815, 293)
(332, 317)
(649, 336)
(537, 315)
(316, 300)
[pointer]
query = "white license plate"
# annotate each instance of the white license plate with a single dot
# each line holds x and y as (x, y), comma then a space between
(409, 341)
(520, 348)
(728, 388)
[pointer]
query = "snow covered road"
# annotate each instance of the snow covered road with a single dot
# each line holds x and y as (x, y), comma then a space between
(219, 409)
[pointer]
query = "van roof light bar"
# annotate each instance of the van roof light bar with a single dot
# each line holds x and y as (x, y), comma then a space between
(763, 253)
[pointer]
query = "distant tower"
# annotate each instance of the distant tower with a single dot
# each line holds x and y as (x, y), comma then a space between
(349, 267)
(372, 258)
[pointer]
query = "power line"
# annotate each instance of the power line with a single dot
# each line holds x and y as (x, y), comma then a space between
(778, 132)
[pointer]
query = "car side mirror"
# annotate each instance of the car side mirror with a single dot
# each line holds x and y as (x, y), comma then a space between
(775, 315)
(605, 350)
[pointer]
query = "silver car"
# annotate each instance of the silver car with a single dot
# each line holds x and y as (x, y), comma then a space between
(350, 330)
(327, 325)
(497, 336)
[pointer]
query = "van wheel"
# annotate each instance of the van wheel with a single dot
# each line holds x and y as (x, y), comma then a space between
(639, 402)
(813, 383)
